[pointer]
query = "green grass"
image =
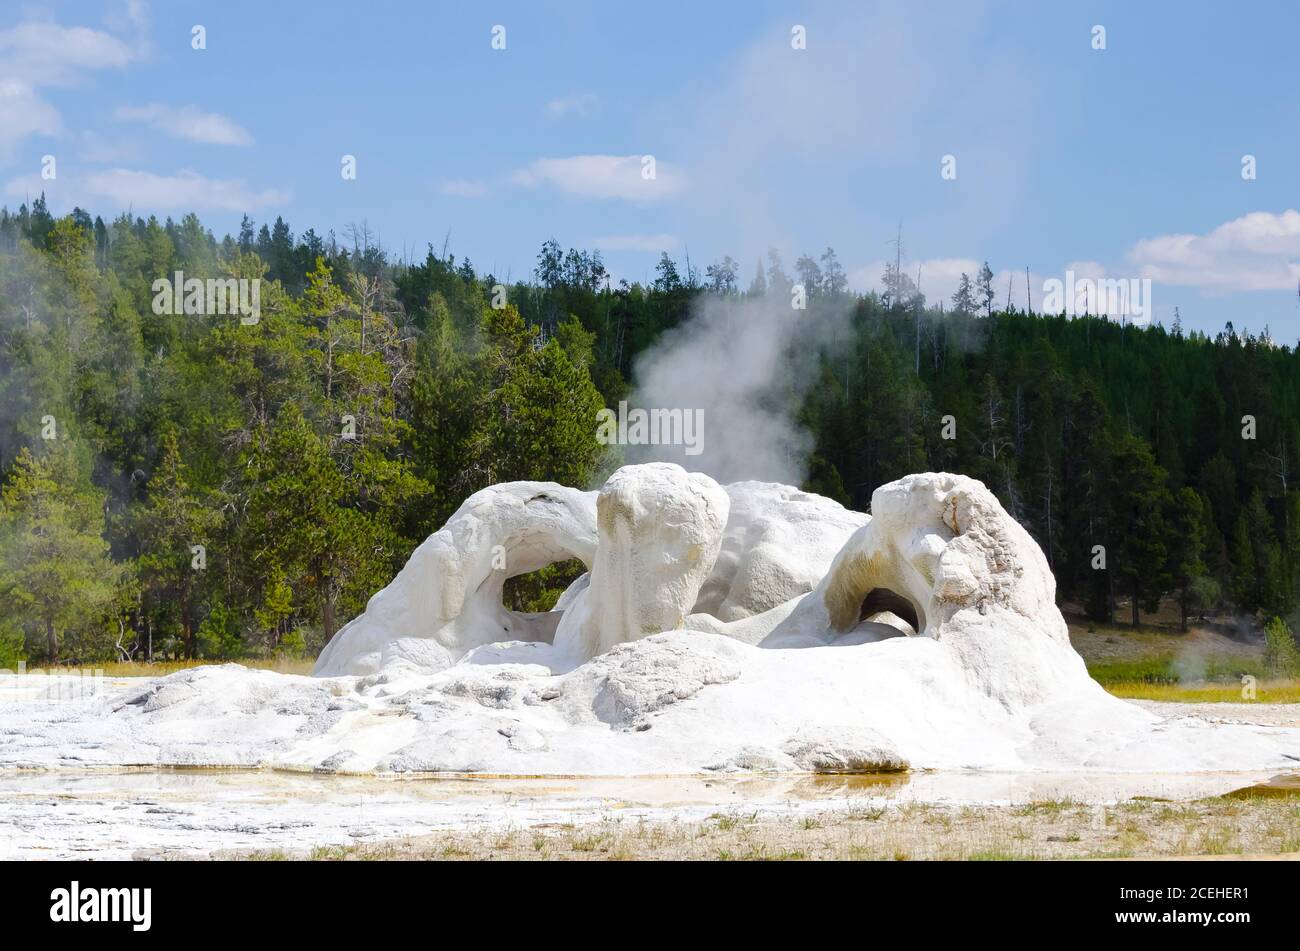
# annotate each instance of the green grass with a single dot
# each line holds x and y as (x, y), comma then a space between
(1164, 668)
(283, 665)
(1266, 691)
(1159, 676)
(1210, 679)
(1047, 807)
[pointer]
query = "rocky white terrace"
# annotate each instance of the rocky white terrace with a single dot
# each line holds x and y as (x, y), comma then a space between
(718, 628)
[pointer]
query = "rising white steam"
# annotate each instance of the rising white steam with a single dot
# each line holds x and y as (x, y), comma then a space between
(746, 363)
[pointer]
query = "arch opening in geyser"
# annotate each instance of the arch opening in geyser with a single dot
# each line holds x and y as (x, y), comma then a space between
(882, 600)
(540, 589)
(514, 591)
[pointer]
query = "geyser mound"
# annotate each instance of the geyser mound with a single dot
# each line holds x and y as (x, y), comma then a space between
(939, 553)
(745, 627)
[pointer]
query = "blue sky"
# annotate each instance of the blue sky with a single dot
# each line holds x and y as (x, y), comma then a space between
(1123, 162)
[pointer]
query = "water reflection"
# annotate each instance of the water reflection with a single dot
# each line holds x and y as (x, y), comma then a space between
(942, 786)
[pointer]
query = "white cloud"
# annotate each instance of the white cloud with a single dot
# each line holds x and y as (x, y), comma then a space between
(134, 11)
(93, 147)
(36, 54)
(187, 122)
(462, 188)
(652, 243)
(147, 192)
(22, 114)
(1097, 289)
(186, 191)
(580, 104)
(48, 54)
(1086, 270)
(940, 278)
(603, 176)
(1256, 252)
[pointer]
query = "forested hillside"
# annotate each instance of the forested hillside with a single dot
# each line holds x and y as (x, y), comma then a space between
(194, 485)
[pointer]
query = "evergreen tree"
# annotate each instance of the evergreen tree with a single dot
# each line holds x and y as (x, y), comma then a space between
(55, 568)
(301, 526)
(963, 301)
(1188, 525)
(1258, 576)
(835, 282)
(1137, 530)
(179, 528)
(810, 275)
(984, 289)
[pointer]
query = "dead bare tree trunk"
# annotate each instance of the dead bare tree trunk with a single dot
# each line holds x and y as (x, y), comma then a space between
(326, 611)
